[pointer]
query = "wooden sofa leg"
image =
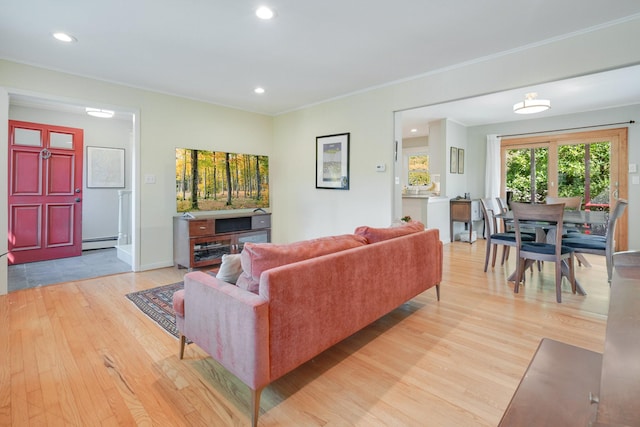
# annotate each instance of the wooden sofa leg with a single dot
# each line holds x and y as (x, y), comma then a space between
(255, 406)
(183, 342)
(438, 292)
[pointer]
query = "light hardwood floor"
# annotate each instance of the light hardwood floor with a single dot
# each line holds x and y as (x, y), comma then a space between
(81, 354)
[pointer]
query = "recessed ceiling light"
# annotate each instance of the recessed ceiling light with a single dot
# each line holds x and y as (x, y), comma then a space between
(64, 37)
(99, 112)
(263, 12)
(259, 90)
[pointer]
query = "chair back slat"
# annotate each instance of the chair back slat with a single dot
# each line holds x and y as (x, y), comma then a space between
(488, 210)
(571, 203)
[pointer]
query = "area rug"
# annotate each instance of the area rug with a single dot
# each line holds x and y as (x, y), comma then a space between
(157, 303)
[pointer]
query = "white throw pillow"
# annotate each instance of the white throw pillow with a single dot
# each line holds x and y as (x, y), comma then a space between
(230, 269)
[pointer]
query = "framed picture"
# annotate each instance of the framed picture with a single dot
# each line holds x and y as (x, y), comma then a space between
(105, 167)
(332, 161)
(460, 160)
(453, 160)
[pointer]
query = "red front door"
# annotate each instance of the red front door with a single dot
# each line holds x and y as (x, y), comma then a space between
(45, 192)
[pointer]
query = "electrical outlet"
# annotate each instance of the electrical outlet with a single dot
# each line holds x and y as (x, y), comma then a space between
(633, 167)
(149, 178)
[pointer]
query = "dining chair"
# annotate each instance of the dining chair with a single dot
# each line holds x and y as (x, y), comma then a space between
(503, 207)
(599, 245)
(527, 252)
(574, 204)
(493, 234)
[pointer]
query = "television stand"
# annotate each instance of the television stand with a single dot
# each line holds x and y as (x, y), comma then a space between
(200, 241)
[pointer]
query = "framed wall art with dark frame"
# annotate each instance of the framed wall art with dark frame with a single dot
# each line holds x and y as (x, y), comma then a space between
(453, 160)
(332, 161)
(105, 167)
(460, 160)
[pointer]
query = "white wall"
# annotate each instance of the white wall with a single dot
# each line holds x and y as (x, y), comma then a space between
(300, 210)
(305, 212)
(4, 137)
(99, 205)
(166, 122)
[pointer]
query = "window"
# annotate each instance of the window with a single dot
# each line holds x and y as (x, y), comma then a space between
(418, 169)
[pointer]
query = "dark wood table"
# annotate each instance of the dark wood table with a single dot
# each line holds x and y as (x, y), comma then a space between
(570, 217)
(566, 385)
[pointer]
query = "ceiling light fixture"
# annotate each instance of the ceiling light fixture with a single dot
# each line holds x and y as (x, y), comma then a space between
(531, 104)
(99, 112)
(414, 130)
(64, 37)
(259, 90)
(263, 12)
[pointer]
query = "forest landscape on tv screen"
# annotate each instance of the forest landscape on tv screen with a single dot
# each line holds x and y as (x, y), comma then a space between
(214, 180)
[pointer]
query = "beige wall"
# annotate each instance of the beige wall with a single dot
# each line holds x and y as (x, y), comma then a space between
(164, 123)
(300, 210)
(303, 211)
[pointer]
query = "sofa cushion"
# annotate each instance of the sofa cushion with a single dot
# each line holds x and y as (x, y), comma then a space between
(230, 268)
(374, 235)
(258, 257)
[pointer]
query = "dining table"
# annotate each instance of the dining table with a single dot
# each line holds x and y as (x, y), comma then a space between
(570, 220)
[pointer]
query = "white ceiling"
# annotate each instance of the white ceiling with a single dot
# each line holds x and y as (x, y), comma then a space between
(615, 88)
(218, 51)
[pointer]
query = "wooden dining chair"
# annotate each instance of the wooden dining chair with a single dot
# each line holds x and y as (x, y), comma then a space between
(573, 203)
(525, 214)
(599, 245)
(494, 236)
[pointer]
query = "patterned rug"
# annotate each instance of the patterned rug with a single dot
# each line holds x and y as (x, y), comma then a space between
(157, 303)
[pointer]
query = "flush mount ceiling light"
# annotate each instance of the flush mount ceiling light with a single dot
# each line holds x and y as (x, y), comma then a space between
(259, 90)
(99, 112)
(263, 12)
(531, 104)
(64, 37)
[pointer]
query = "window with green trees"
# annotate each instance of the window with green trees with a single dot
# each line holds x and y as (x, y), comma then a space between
(582, 170)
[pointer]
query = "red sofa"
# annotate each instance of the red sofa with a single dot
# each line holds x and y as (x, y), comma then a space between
(310, 295)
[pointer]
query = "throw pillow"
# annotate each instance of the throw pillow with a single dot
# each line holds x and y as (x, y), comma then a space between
(374, 235)
(230, 268)
(258, 257)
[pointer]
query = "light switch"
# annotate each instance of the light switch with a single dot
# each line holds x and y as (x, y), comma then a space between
(635, 180)
(633, 168)
(149, 178)
(381, 167)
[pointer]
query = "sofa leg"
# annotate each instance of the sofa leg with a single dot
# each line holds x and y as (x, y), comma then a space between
(255, 406)
(438, 292)
(183, 342)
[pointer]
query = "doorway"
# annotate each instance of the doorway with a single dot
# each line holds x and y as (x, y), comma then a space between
(29, 107)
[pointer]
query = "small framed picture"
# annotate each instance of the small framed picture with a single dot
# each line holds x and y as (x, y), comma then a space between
(460, 160)
(105, 167)
(453, 160)
(332, 161)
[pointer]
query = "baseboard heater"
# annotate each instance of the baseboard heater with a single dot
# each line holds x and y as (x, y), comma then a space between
(100, 239)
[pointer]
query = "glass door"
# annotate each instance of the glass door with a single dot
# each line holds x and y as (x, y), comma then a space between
(587, 164)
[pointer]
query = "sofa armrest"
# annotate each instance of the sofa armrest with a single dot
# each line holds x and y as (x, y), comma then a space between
(230, 324)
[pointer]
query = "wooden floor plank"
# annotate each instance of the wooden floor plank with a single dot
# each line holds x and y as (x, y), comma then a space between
(81, 353)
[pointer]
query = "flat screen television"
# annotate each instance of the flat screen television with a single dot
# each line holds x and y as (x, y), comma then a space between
(214, 180)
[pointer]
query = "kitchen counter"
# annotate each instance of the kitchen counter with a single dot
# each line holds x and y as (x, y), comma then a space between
(432, 211)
